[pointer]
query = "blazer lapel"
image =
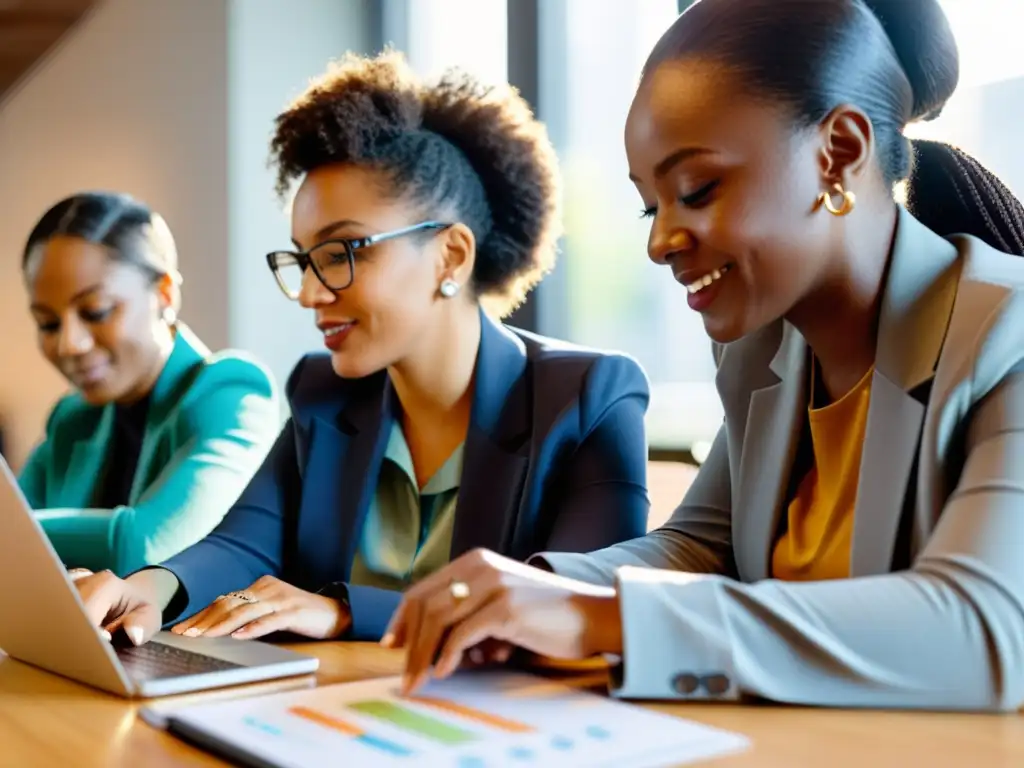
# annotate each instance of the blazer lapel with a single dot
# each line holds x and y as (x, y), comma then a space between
(769, 441)
(345, 454)
(918, 302)
(493, 470)
(86, 465)
(184, 362)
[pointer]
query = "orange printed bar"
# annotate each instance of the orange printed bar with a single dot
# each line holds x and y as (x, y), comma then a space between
(494, 721)
(326, 720)
(349, 729)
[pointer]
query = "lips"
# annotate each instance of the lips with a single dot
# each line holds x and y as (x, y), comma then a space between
(89, 377)
(335, 332)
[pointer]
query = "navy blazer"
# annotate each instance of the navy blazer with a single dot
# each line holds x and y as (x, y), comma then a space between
(555, 459)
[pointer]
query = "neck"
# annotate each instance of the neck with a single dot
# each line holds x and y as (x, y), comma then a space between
(145, 385)
(435, 384)
(839, 318)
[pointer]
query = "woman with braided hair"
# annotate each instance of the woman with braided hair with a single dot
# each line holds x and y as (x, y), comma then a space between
(853, 538)
(428, 429)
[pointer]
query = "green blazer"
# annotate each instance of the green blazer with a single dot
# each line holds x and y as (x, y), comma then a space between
(211, 421)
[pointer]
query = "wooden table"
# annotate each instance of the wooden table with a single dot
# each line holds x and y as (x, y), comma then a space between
(46, 720)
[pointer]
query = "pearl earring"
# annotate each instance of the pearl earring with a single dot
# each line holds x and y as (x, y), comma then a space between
(170, 316)
(449, 288)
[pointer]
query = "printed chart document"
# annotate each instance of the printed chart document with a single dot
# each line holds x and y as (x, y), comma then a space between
(473, 720)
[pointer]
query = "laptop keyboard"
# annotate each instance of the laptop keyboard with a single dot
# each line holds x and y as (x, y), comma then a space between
(156, 661)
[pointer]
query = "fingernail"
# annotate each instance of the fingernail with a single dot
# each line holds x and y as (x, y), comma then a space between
(192, 632)
(388, 640)
(106, 635)
(134, 634)
(476, 656)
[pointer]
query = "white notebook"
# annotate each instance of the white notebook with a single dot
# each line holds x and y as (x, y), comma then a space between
(473, 720)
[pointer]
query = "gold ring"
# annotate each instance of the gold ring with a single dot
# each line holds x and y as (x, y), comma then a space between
(459, 590)
(244, 596)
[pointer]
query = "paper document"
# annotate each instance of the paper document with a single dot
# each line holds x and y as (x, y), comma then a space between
(473, 720)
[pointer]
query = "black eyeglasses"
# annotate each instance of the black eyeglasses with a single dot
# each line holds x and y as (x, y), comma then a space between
(332, 261)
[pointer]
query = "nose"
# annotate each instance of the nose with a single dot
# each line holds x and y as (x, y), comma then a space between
(667, 238)
(313, 293)
(75, 339)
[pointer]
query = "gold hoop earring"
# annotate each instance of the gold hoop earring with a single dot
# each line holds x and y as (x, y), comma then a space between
(849, 200)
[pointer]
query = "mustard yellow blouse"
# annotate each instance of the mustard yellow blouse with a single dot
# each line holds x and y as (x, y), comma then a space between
(817, 540)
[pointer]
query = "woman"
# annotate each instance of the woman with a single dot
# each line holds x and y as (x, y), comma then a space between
(853, 537)
(160, 436)
(446, 431)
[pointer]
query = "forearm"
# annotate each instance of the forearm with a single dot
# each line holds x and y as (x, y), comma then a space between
(159, 585)
(664, 549)
(81, 537)
(935, 640)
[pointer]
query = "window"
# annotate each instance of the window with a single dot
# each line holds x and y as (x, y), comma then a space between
(606, 292)
(438, 34)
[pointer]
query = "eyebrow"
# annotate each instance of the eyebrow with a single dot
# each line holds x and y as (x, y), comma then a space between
(666, 164)
(325, 232)
(81, 294)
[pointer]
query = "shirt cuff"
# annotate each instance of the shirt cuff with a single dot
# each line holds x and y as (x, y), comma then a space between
(675, 640)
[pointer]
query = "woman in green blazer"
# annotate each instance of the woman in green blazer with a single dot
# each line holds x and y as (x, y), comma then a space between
(160, 436)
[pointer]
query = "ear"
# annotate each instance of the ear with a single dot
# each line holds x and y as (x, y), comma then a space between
(167, 292)
(848, 145)
(458, 254)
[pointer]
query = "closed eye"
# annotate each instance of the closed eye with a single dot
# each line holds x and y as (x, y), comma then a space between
(700, 197)
(696, 199)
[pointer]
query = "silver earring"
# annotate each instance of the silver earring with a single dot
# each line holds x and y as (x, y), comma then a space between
(170, 316)
(449, 288)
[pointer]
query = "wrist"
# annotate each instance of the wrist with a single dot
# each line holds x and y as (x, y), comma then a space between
(337, 595)
(602, 622)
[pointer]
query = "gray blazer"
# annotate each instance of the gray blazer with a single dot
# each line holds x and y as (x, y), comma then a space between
(933, 614)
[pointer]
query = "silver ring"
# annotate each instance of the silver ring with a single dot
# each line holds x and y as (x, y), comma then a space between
(244, 595)
(459, 590)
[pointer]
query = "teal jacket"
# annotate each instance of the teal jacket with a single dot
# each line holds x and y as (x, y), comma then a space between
(211, 421)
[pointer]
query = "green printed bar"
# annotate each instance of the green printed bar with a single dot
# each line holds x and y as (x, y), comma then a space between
(413, 722)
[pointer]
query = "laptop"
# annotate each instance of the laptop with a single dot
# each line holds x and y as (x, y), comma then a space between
(43, 623)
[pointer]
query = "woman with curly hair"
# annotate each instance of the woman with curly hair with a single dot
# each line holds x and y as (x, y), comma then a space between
(428, 429)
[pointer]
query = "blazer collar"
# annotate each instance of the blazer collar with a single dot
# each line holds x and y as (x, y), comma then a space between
(187, 353)
(916, 306)
(496, 411)
(923, 277)
(356, 439)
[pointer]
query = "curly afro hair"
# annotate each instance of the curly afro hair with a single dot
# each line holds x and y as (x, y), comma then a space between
(455, 147)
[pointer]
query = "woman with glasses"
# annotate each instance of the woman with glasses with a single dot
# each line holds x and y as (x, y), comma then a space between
(428, 429)
(160, 436)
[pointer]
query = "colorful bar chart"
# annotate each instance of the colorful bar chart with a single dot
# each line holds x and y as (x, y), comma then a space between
(350, 729)
(414, 722)
(472, 720)
(484, 718)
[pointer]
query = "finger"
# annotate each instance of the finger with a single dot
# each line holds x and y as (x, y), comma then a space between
(490, 622)
(101, 595)
(440, 612)
(280, 621)
(185, 625)
(394, 635)
(139, 624)
(464, 568)
(490, 651)
(142, 622)
(237, 617)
